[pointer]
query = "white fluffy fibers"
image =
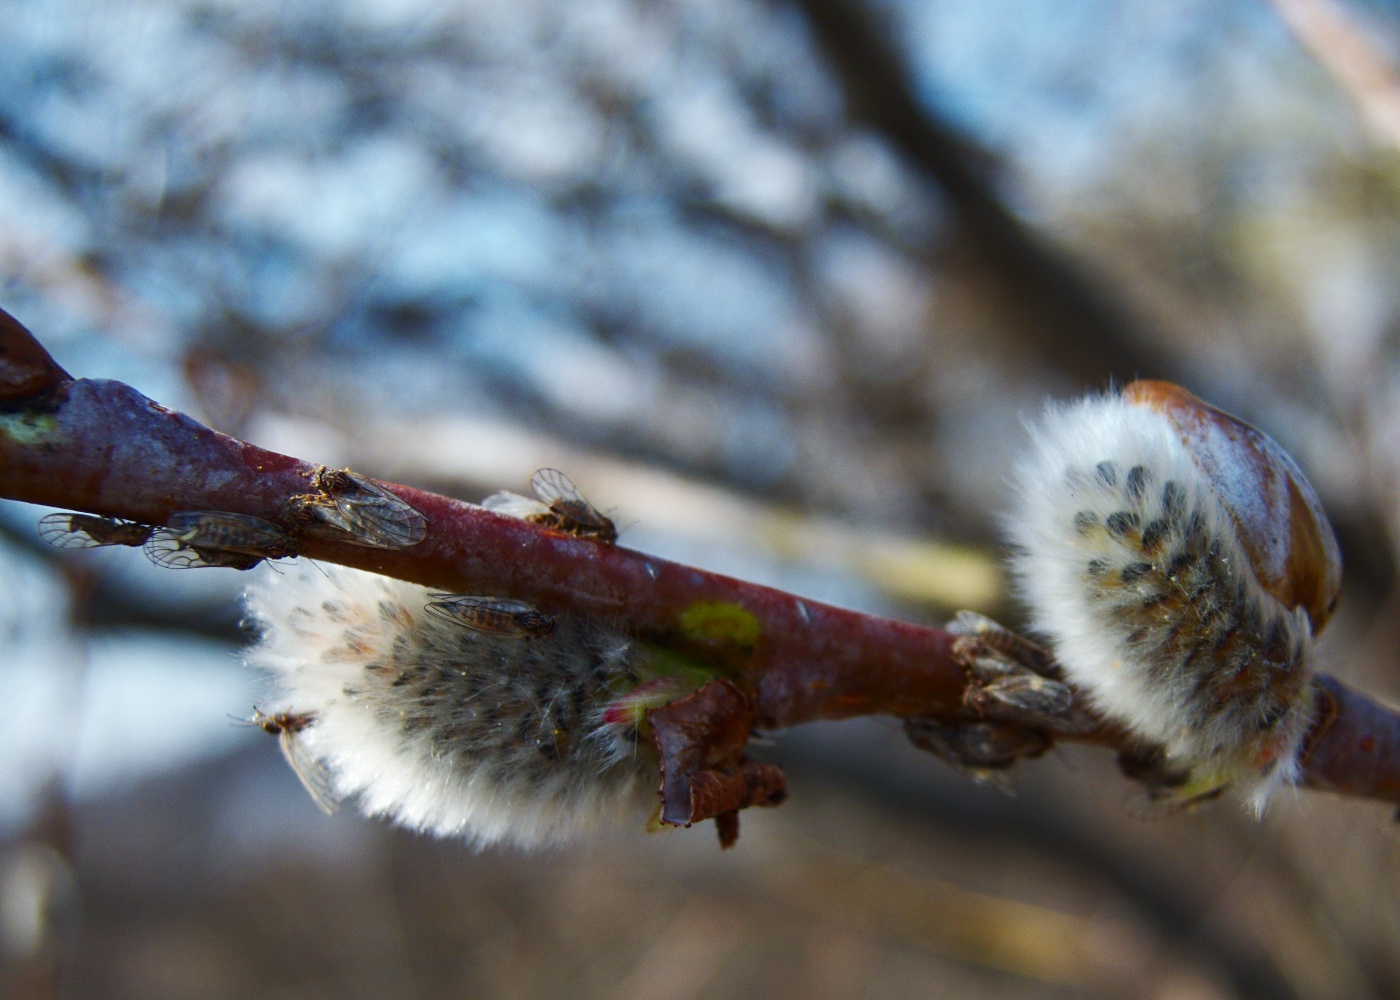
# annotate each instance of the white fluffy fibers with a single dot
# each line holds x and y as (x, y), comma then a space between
(446, 729)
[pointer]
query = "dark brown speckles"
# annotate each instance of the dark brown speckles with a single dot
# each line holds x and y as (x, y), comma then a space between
(1152, 601)
(1106, 473)
(1173, 499)
(1085, 521)
(1180, 564)
(1154, 533)
(1123, 522)
(1136, 484)
(1133, 572)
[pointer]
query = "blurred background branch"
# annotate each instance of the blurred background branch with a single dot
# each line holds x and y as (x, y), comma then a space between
(1354, 57)
(1070, 311)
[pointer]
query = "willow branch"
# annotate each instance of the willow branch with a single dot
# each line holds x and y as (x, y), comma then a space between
(101, 447)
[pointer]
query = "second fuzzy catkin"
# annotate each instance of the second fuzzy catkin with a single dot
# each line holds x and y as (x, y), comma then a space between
(1151, 533)
(446, 729)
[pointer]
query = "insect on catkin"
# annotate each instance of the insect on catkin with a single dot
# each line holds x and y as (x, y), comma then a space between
(453, 730)
(1181, 566)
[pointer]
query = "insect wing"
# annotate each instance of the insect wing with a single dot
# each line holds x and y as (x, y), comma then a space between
(168, 552)
(561, 495)
(312, 774)
(193, 539)
(343, 520)
(498, 616)
(556, 489)
(309, 770)
(65, 531)
(367, 513)
(482, 614)
(88, 531)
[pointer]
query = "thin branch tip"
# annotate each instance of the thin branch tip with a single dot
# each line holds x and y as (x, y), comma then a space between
(27, 372)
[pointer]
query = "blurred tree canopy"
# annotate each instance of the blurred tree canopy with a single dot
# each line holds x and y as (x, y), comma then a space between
(777, 273)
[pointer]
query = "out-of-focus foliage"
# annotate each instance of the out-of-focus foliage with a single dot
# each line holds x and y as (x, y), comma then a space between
(639, 225)
(659, 244)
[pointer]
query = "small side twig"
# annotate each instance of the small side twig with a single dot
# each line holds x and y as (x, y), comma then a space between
(701, 739)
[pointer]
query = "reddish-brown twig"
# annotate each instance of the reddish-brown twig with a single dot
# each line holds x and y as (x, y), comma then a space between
(102, 447)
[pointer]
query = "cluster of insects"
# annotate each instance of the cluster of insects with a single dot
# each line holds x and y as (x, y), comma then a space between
(189, 539)
(559, 505)
(343, 507)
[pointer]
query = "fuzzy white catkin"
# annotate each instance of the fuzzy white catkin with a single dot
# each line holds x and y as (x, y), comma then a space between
(1133, 569)
(445, 729)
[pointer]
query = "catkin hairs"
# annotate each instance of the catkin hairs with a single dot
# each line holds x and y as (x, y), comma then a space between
(449, 730)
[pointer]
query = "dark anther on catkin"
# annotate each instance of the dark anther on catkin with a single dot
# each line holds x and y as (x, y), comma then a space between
(1123, 522)
(1136, 483)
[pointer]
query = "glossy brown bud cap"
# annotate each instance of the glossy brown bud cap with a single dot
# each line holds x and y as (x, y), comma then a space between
(1285, 533)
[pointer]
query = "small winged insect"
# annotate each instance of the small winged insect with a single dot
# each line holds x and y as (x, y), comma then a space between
(496, 615)
(560, 506)
(196, 538)
(576, 515)
(287, 727)
(88, 531)
(350, 508)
